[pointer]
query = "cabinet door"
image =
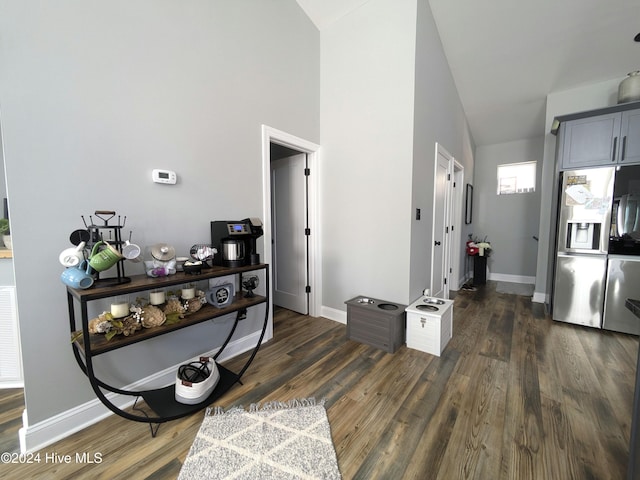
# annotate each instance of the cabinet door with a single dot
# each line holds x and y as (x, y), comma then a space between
(590, 142)
(630, 135)
(623, 277)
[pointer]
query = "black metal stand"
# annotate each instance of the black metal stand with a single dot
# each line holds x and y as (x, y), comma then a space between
(97, 234)
(160, 401)
(479, 270)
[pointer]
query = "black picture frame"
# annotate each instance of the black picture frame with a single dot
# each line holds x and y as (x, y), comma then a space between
(468, 207)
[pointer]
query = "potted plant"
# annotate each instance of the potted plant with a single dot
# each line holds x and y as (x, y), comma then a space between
(5, 232)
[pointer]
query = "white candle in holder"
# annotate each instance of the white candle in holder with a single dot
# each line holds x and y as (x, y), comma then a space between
(119, 310)
(156, 298)
(188, 293)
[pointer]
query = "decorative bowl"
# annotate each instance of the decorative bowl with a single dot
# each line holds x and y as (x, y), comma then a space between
(192, 268)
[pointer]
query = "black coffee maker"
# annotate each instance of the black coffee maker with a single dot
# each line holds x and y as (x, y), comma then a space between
(235, 242)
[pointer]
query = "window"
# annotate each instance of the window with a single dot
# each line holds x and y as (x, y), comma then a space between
(516, 178)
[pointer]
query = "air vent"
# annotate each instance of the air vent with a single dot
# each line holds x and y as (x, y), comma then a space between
(10, 361)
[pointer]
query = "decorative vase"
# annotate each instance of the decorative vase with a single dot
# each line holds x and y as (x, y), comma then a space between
(629, 88)
(7, 241)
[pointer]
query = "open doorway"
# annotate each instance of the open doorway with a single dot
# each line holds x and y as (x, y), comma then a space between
(289, 239)
(11, 375)
(440, 263)
(447, 221)
(291, 227)
(456, 243)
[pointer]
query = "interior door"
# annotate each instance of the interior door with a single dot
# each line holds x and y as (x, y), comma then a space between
(440, 248)
(289, 219)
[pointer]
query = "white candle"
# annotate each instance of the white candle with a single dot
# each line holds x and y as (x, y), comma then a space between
(156, 298)
(188, 293)
(119, 310)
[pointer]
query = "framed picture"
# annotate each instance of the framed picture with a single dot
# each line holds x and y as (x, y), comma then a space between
(468, 207)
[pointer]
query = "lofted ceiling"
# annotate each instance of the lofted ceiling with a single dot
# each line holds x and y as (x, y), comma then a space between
(506, 56)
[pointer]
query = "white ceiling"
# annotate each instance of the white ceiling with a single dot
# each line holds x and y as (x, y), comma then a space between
(506, 55)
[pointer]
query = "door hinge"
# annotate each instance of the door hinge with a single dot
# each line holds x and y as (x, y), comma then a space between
(307, 231)
(307, 289)
(307, 172)
(445, 281)
(448, 176)
(446, 229)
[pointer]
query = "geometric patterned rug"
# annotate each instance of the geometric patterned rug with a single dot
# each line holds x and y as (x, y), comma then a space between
(274, 441)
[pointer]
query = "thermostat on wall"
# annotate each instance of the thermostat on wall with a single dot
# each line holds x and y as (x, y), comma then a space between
(164, 176)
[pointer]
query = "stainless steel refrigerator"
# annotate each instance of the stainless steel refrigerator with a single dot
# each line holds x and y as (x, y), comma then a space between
(584, 221)
(623, 283)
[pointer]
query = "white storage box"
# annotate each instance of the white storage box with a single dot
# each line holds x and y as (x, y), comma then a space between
(195, 381)
(429, 324)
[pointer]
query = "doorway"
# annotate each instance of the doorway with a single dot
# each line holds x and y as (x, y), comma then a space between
(289, 241)
(456, 253)
(442, 223)
(290, 185)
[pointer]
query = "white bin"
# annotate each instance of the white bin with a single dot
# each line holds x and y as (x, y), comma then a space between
(429, 324)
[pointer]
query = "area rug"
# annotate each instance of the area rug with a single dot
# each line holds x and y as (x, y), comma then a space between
(274, 441)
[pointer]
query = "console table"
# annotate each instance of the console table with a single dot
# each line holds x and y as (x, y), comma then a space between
(161, 401)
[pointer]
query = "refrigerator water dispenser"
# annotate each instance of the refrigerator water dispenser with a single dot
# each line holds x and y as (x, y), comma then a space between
(583, 235)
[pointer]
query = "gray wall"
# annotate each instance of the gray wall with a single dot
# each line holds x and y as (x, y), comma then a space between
(95, 95)
(387, 97)
(438, 117)
(508, 221)
(367, 94)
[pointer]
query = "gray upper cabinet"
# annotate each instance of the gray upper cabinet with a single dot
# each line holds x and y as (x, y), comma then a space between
(630, 133)
(600, 140)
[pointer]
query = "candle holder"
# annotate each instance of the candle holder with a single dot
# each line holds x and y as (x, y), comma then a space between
(157, 297)
(120, 308)
(188, 292)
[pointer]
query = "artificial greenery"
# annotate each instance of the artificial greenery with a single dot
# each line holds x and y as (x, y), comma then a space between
(4, 226)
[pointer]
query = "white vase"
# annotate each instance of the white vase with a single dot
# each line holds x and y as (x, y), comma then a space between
(629, 88)
(7, 241)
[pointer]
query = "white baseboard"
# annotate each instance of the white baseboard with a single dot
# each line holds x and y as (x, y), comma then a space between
(333, 314)
(44, 433)
(540, 297)
(504, 277)
(462, 281)
(11, 384)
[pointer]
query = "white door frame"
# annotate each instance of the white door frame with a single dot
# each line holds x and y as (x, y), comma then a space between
(457, 198)
(271, 135)
(440, 150)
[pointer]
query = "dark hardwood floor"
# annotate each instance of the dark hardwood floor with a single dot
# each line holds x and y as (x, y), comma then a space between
(513, 396)
(11, 408)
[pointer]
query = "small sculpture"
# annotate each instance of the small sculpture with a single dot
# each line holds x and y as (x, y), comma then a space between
(250, 283)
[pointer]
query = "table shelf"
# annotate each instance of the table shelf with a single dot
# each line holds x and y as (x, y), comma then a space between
(100, 344)
(161, 401)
